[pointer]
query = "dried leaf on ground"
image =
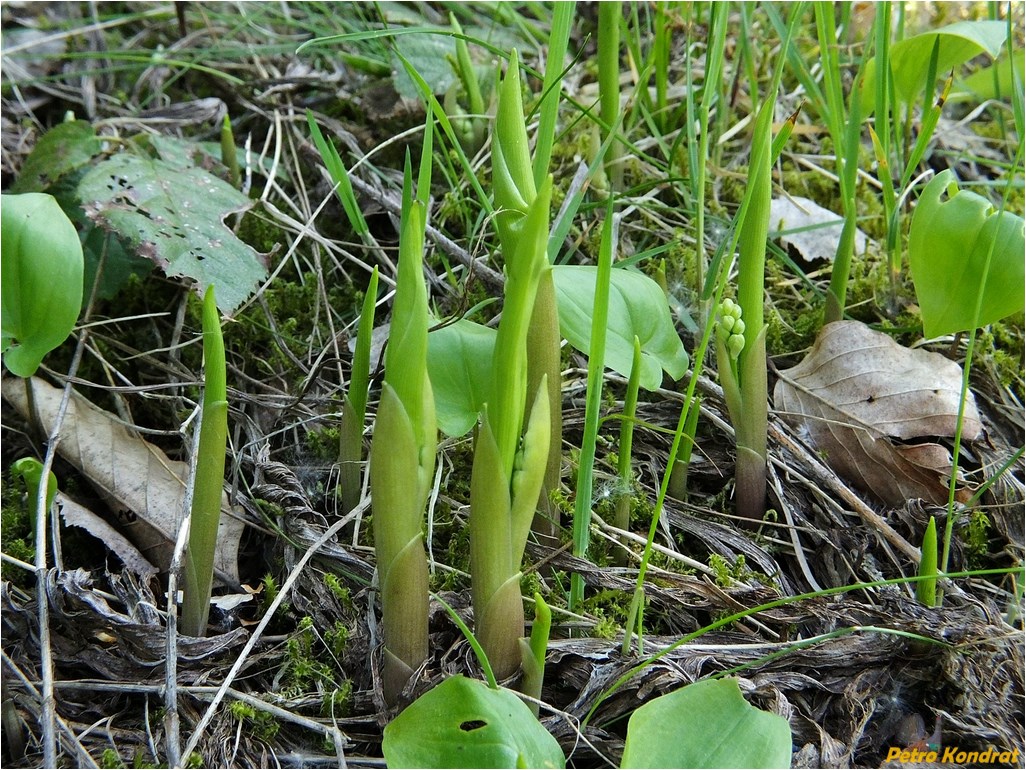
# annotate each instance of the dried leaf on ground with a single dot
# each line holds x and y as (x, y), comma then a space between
(77, 515)
(138, 476)
(877, 410)
(817, 229)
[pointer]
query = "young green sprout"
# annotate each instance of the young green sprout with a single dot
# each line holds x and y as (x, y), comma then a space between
(354, 406)
(403, 460)
(510, 462)
(208, 481)
(741, 344)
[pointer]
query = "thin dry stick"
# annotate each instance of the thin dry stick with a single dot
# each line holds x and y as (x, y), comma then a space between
(827, 477)
(208, 715)
(394, 207)
(47, 702)
(69, 734)
(173, 720)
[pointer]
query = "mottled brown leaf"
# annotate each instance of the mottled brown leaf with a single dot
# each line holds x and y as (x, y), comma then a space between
(877, 410)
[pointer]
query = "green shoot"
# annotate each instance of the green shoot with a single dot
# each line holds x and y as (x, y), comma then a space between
(354, 405)
(507, 473)
(403, 460)
(741, 333)
(208, 479)
(534, 652)
(926, 588)
(596, 365)
(228, 154)
(609, 84)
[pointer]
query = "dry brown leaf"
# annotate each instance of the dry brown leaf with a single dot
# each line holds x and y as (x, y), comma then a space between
(77, 515)
(876, 410)
(818, 230)
(136, 475)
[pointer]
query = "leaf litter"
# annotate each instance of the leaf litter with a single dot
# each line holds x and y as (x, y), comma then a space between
(835, 665)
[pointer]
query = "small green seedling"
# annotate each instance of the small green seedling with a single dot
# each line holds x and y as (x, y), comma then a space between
(926, 589)
(42, 269)
(354, 405)
(31, 472)
(208, 480)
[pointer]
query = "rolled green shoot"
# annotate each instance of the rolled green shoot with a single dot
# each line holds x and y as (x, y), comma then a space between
(926, 589)
(354, 405)
(741, 334)
(509, 466)
(403, 460)
(533, 652)
(229, 156)
(609, 84)
(625, 487)
(543, 336)
(208, 479)
(596, 365)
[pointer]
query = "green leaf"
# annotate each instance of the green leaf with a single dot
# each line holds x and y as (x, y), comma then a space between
(981, 83)
(706, 724)
(61, 150)
(948, 248)
(464, 723)
(910, 58)
(175, 217)
(637, 307)
(460, 368)
(31, 472)
(430, 54)
(42, 279)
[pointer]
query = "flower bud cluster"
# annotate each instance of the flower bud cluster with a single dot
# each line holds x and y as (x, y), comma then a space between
(730, 327)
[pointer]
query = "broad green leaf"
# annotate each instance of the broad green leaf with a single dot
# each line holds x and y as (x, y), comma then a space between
(910, 58)
(42, 279)
(460, 368)
(430, 55)
(706, 724)
(464, 723)
(951, 235)
(61, 150)
(175, 217)
(637, 307)
(981, 83)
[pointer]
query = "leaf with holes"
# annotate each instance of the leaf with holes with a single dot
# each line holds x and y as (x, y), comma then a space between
(464, 723)
(175, 217)
(963, 252)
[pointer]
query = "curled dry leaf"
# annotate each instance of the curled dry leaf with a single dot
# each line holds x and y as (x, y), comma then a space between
(877, 410)
(811, 230)
(144, 484)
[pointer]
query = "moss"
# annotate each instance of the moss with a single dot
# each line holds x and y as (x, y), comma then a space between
(16, 531)
(338, 702)
(260, 724)
(322, 443)
(976, 536)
